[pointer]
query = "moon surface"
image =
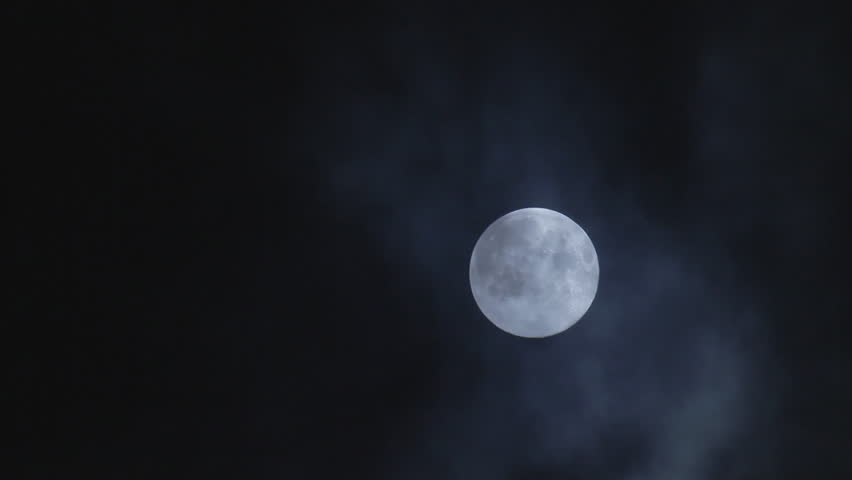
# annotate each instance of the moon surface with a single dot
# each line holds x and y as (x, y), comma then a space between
(534, 272)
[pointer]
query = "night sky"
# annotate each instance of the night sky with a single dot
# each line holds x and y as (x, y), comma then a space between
(243, 232)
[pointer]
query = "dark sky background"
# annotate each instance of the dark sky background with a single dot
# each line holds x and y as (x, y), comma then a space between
(244, 233)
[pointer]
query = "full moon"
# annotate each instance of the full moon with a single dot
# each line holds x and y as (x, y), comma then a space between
(534, 272)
